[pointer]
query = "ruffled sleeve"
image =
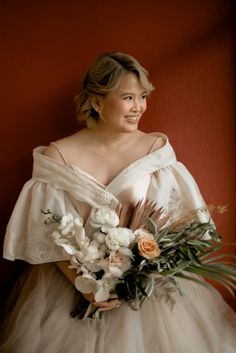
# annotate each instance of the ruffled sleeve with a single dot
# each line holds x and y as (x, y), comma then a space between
(27, 237)
(174, 188)
(58, 188)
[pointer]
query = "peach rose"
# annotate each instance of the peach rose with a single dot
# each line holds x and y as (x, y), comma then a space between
(148, 248)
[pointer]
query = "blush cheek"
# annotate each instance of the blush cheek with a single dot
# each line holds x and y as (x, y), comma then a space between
(144, 107)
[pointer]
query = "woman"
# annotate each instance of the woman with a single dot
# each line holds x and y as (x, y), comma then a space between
(108, 162)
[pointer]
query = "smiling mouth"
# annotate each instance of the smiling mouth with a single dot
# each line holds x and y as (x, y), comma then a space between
(132, 119)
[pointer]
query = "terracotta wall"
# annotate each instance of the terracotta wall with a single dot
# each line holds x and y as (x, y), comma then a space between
(188, 47)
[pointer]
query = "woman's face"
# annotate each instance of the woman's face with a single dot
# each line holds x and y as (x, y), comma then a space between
(122, 108)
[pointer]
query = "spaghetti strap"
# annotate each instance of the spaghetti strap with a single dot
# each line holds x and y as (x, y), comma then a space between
(60, 152)
(158, 143)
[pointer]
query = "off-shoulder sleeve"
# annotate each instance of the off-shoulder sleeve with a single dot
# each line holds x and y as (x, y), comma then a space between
(58, 188)
(27, 237)
(174, 188)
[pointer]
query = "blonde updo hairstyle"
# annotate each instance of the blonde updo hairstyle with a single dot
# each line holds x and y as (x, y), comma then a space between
(103, 77)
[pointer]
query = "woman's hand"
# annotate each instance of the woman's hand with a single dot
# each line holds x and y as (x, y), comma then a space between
(108, 305)
(112, 303)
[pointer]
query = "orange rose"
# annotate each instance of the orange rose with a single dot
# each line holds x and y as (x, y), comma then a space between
(148, 248)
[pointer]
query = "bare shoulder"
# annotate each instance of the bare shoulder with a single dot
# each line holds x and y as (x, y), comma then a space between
(52, 152)
(62, 149)
(153, 141)
(57, 149)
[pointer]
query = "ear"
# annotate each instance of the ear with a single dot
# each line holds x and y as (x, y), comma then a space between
(96, 102)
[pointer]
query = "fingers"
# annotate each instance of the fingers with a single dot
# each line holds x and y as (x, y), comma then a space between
(112, 303)
(108, 305)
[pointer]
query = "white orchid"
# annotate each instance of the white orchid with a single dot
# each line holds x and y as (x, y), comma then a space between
(70, 234)
(86, 283)
(89, 256)
(80, 236)
(99, 237)
(93, 266)
(68, 224)
(88, 253)
(56, 235)
(69, 248)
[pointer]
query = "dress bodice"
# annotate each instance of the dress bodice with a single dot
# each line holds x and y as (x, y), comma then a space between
(62, 189)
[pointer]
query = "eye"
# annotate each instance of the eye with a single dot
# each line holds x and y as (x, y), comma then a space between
(128, 98)
(144, 96)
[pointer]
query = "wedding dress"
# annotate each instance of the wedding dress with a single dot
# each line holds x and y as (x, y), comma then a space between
(200, 321)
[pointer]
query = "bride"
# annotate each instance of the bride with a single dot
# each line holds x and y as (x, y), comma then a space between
(108, 162)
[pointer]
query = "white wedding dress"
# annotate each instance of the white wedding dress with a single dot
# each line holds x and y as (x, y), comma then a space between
(200, 322)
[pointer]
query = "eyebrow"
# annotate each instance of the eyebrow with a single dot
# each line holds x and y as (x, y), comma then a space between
(132, 94)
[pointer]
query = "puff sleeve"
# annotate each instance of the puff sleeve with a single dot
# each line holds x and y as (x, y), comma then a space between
(27, 237)
(174, 188)
(56, 187)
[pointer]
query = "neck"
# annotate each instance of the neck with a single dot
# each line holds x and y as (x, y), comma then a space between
(110, 137)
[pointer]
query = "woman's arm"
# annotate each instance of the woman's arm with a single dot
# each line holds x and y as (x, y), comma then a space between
(68, 272)
(71, 275)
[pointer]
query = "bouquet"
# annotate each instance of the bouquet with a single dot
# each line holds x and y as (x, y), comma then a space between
(135, 251)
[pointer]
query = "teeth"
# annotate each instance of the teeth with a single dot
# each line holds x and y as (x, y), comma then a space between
(132, 118)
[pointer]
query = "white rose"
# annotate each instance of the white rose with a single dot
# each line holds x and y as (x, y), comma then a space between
(103, 216)
(119, 237)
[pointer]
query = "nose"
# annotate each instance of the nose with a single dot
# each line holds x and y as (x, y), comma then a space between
(135, 105)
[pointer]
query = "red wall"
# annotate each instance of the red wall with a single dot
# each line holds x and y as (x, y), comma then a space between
(188, 47)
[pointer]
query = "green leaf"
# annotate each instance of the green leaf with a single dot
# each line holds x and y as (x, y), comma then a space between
(225, 270)
(222, 256)
(152, 227)
(194, 279)
(196, 242)
(193, 257)
(211, 275)
(183, 265)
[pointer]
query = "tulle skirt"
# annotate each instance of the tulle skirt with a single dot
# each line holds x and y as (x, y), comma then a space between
(200, 322)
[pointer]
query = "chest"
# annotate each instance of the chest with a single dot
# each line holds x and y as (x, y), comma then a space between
(105, 163)
(105, 167)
